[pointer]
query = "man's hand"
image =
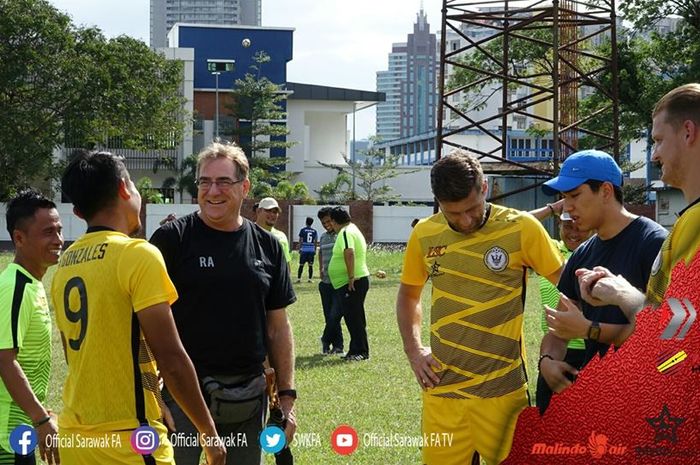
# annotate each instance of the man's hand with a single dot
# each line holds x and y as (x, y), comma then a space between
(588, 279)
(168, 418)
(287, 404)
(45, 431)
(214, 452)
(554, 371)
(351, 284)
(600, 286)
(568, 322)
(424, 367)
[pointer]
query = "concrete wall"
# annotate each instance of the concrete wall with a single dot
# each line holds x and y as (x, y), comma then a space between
(389, 223)
(319, 128)
(378, 223)
(669, 202)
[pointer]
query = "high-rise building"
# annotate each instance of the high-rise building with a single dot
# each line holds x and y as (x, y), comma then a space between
(410, 85)
(165, 13)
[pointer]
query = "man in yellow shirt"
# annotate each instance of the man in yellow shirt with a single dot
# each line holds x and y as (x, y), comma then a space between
(476, 255)
(676, 135)
(112, 297)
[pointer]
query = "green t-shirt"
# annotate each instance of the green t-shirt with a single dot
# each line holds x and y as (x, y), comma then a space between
(25, 325)
(549, 295)
(349, 237)
(282, 238)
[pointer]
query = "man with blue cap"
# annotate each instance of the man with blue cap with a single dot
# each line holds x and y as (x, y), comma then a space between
(590, 181)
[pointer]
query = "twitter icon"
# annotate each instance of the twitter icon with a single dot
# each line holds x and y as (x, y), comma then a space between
(272, 439)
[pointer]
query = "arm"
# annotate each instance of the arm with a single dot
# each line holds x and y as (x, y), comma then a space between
(21, 392)
(349, 256)
(321, 269)
(551, 209)
(178, 373)
(552, 366)
(409, 316)
(601, 287)
(556, 276)
(280, 343)
(568, 322)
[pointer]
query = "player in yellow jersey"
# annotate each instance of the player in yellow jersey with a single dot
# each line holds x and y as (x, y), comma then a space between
(112, 297)
(476, 255)
(676, 135)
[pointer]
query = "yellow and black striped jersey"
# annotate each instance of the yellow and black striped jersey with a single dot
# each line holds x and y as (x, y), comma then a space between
(101, 282)
(478, 297)
(681, 244)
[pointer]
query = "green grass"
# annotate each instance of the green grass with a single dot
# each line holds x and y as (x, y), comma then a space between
(378, 396)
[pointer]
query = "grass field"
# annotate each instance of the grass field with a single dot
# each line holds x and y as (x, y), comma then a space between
(378, 396)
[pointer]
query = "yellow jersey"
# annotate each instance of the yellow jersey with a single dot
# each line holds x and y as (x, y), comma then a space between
(477, 302)
(681, 244)
(102, 281)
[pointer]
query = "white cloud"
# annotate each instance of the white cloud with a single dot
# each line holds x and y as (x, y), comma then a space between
(336, 42)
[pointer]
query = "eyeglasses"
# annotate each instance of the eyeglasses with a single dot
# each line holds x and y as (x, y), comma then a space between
(222, 183)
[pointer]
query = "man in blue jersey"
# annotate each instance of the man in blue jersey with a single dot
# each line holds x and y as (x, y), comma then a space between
(308, 239)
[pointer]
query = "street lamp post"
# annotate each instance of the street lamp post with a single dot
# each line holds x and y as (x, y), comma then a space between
(216, 118)
(216, 66)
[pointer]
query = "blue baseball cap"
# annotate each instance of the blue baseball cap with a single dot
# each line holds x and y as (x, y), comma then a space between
(582, 166)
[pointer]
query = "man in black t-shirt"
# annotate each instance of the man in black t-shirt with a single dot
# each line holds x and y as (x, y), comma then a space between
(591, 183)
(234, 287)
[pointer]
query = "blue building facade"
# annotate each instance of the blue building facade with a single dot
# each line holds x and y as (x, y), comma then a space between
(226, 43)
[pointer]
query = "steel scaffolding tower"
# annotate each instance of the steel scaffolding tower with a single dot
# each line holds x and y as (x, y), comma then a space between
(536, 59)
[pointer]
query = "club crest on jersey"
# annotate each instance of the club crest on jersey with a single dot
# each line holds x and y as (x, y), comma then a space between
(496, 259)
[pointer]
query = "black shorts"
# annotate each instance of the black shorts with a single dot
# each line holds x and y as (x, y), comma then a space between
(306, 257)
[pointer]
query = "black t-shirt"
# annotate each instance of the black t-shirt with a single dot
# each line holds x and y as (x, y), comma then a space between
(630, 253)
(226, 281)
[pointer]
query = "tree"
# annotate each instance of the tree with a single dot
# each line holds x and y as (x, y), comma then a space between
(186, 180)
(339, 190)
(63, 85)
(370, 173)
(650, 63)
(148, 193)
(258, 105)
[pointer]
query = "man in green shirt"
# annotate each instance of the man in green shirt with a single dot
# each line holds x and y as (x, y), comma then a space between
(25, 325)
(267, 212)
(350, 279)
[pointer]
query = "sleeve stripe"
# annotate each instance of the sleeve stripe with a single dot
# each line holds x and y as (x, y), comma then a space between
(345, 238)
(21, 282)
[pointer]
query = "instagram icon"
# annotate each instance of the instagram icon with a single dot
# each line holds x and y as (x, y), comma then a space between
(144, 440)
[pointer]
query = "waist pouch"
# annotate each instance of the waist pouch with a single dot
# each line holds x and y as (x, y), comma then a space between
(234, 399)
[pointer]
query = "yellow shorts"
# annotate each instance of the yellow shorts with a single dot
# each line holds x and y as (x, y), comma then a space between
(111, 447)
(453, 429)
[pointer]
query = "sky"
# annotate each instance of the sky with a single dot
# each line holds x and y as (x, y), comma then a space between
(341, 43)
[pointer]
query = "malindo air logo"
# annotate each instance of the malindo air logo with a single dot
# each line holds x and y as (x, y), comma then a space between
(597, 447)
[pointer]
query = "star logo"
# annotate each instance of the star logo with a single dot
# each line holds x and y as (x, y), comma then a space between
(435, 270)
(665, 426)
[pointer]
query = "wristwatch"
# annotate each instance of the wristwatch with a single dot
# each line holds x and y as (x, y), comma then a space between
(594, 331)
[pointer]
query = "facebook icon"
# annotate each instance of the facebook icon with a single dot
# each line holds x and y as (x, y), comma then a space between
(23, 440)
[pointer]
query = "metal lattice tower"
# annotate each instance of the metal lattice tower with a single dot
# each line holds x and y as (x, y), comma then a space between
(484, 40)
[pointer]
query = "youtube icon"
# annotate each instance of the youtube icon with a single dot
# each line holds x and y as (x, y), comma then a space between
(344, 440)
